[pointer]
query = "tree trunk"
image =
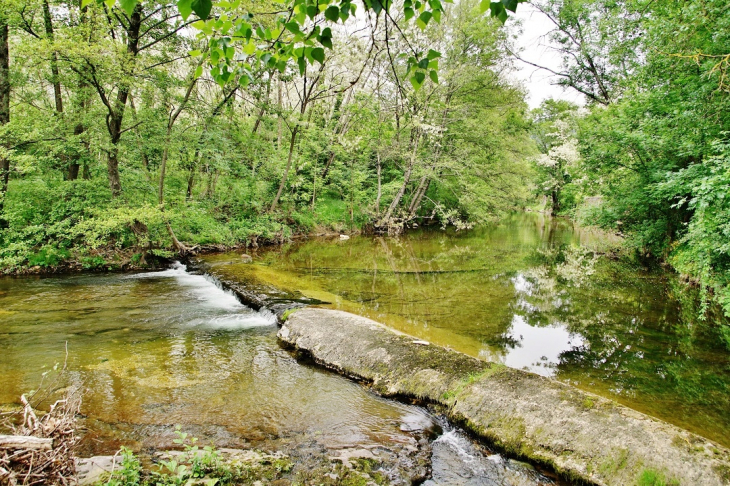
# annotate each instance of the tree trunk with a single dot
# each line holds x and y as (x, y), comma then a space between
(418, 197)
(555, 198)
(82, 101)
(275, 202)
(55, 79)
(168, 136)
(263, 106)
(191, 184)
(163, 166)
(116, 115)
(330, 159)
(380, 190)
(278, 122)
(4, 110)
(406, 181)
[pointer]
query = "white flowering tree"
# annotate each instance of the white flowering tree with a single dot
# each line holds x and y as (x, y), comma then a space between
(555, 134)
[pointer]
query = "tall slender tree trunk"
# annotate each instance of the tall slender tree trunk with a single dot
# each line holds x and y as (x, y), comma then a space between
(278, 121)
(168, 134)
(82, 101)
(262, 111)
(343, 124)
(292, 142)
(406, 181)
(55, 80)
(4, 111)
(306, 96)
(380, 189)
(116, 115)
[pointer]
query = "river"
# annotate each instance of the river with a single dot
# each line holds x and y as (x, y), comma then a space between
(533, 293)
(158, 349)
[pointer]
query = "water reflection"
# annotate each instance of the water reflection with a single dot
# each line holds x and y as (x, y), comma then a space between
(530, 292)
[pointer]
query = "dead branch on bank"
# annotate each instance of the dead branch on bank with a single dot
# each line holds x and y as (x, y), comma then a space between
(41, 447)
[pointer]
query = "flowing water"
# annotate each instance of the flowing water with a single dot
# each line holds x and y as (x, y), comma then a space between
(532, 293)
(160, 349)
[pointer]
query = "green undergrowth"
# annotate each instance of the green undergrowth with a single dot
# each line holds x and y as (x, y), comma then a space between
(207, 466)
(52, 224)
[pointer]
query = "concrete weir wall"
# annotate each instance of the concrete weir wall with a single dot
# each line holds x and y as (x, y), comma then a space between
(580, 435)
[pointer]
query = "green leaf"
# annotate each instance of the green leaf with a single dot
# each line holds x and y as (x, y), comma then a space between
(185, 8)
(423, 20)
(128, 6)
(332, 14)
(85, 3)
(195, 53)
(409, 13)
(202, 8)
(423, 63)
(302, 63)
(434, 76)
(433, 55)
(318, 54)
(510, 5)
(497, 10)
(326, 38)
(292, 27)
(484, 5)
(249, 48)
(417, 80)
(198, 72)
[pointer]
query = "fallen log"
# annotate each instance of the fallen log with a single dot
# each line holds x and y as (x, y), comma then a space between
(25, 442)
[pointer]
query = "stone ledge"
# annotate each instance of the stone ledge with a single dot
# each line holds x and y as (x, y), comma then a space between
(578, 434)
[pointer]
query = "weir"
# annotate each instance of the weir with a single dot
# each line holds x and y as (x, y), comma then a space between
(578, 434)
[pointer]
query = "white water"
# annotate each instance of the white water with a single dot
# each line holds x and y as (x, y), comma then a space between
(228, 312)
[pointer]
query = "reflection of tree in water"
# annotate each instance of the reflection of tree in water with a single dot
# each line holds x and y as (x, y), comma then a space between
(644, 341)
(639, 336)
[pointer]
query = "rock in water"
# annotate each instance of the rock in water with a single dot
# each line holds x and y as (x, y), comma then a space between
(246, 258)
(344, 237)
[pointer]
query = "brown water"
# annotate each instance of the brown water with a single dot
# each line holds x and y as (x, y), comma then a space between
(531, 293)
(155, 350)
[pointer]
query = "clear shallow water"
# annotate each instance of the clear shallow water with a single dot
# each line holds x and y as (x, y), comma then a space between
(530, 293)
(154, 350)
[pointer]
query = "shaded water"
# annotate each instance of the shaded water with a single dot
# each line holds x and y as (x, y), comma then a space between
(531, 293)
(154, 350)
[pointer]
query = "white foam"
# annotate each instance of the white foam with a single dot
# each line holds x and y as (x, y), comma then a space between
(458, 444)
(263, 318)
(211, 296)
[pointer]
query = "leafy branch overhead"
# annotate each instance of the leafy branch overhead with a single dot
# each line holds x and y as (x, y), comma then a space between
(240, 39)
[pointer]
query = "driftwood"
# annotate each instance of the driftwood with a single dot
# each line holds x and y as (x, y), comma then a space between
(25, 442)
(40, 450)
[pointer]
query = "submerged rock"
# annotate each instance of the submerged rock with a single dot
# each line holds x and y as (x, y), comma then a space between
(578, 434)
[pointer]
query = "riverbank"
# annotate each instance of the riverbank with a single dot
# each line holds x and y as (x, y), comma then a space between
(580, 435)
